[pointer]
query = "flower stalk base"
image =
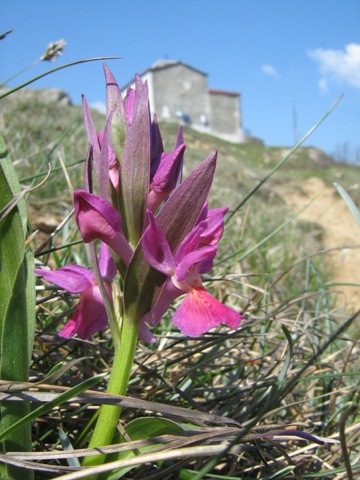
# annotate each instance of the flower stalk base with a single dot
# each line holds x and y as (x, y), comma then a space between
(119, 378)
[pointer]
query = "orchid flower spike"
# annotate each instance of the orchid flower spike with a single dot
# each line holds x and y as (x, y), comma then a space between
(90, 314)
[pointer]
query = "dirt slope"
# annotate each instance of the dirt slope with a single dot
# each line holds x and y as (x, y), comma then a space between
(340, 229)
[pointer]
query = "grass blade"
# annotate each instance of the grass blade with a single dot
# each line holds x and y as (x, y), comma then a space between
(281, 163)
(349, 202)
(53, 70)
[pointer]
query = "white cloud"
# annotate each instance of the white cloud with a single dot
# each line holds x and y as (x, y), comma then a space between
(343, 65)
(323, 85)
(99, 106)
(269, 70)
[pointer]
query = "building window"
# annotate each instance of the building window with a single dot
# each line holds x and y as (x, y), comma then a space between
(165, 111)
(204, 120)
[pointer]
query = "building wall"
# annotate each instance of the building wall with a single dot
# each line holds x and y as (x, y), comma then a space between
(224, 113)
(180, 93)
(225, 116)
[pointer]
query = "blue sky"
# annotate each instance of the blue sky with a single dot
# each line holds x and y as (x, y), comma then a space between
(283, 56)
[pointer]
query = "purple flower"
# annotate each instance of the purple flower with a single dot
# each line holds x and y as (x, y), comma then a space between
(90, 314)
(166, 177)
(158, 259)
(98, 219)
(199, 312)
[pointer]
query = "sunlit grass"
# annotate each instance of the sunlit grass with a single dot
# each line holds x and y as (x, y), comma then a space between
(292, 364)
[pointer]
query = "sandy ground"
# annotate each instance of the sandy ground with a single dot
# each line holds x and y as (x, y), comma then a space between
(340, 230)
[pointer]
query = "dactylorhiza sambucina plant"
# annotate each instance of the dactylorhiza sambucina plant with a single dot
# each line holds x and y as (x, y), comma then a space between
(156, 232)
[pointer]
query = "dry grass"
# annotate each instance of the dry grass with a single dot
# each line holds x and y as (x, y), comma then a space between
(238, 400)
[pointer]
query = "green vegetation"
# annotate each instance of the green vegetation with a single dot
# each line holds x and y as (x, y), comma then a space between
(227, 398)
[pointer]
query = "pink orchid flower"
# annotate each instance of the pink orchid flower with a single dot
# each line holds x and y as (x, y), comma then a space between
(90, 314)
(199, 312)
(98, 219)
(166, 177)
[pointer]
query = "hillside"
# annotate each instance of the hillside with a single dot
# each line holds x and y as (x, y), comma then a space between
(39, 130)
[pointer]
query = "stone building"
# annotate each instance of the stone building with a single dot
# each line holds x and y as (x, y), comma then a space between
(179, 93)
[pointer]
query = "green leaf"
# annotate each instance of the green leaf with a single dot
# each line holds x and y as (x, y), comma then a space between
(66, 444)
(289, 354)
(17, 308)
(140, 429)
(349, 202)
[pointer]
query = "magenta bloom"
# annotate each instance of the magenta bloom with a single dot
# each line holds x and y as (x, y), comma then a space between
(166, 177)
(158, 258)
(90, 314)
(98, 219)
(199, 312)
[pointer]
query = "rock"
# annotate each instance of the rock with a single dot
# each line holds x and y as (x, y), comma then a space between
(40, 95)
(319, 157)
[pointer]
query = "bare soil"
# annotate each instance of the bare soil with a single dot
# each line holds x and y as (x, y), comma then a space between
(327, 208)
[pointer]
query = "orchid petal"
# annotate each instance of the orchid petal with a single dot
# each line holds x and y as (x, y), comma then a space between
(179, 141)
(156, 146)
(95, 216)
(145, 333)
(214, 229)
(200, 312)
(166, 177)
(168, 294)
(156, 248)
(98, 219)
(204, 213)
(204, 256)
(167, 174)
(107, 265)
(88, 180)
(189, 244)
(89, 317)
(112, 161)
(74, 278)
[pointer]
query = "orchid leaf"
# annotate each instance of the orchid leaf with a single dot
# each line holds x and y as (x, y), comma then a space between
(17, 313)
(140, 429)
(176, 219)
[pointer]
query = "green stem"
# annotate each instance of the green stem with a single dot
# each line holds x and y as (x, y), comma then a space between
(119, 378)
